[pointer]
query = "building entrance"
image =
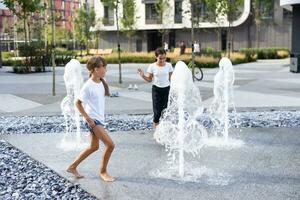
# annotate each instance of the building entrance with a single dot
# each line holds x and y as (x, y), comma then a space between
(153, 40)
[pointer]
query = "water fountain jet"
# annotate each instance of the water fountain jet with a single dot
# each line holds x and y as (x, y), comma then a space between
(73, 81)
(179, 129)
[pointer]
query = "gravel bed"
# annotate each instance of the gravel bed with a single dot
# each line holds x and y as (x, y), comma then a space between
(55, 124)
(21, 177)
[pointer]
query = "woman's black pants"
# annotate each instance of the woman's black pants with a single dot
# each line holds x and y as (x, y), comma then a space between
(159, 101)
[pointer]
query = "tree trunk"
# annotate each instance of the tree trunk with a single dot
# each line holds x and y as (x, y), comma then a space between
(25, 30)
(28, 68)
(257, 35)
(192, 38)
(130, 43)
(29, 31)
(118, 41)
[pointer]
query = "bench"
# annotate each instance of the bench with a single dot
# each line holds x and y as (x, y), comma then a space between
(100, 51)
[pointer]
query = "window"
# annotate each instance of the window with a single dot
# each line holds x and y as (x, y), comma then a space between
(152, 16)
(178, 12)
(287, 14)
(108, 18)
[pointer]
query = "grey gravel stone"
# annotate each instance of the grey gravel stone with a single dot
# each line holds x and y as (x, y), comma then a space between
(56, 124)
(25, 178)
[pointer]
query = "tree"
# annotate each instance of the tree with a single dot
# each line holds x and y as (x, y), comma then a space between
(161, 6)
(261, 9)
(230, 9)
(212, 15)
(128, 20)
(195, 14)
(23, 9)
(84, 20)
(114, 4)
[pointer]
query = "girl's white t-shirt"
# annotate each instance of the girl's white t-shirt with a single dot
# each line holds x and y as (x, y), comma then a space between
(160, 74)
(92, 95)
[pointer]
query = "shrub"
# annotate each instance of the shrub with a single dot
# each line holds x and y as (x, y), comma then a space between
(63, 56)
(202, 61)
(266, 53)
(210, 52)
(7, 54)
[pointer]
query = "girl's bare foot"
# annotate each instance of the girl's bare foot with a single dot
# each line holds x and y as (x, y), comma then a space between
(154, 125)
(107, 177)
(74, 172)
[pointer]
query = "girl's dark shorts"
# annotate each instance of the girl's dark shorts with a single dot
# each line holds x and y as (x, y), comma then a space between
(97, 122)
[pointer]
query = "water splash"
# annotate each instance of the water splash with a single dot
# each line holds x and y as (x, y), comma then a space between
(179, 129)
(223, 98)
(73, 82)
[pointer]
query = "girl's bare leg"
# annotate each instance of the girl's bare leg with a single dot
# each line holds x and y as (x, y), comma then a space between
(100, 132)
(154, 125)
(94, 146)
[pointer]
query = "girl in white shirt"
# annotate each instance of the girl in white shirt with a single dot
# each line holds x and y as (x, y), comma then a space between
(92, 95)
(159, 73)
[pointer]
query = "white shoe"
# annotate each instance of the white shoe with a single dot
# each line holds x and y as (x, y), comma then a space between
(130, 87)
(135, 87)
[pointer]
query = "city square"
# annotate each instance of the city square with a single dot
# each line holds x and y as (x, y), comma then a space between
(260, 159)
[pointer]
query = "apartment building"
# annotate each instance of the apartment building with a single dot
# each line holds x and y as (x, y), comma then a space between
(274, 31)
(64, 11)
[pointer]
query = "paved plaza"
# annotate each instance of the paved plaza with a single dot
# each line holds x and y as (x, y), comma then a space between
(261, 85)
(264, 166)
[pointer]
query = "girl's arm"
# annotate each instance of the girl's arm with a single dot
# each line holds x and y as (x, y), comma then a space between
(80, 108)
(147, 78)
(170, 74)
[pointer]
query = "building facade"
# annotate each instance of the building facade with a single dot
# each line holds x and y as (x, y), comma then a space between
(64, 11)
(175, 24)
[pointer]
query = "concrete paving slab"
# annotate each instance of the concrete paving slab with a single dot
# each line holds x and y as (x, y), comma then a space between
(255, 100)
(265, 167)
(12, 103)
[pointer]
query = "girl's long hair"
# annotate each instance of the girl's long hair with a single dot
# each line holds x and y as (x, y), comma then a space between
(96, 62)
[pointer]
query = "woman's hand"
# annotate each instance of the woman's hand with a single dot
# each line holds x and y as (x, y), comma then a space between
(140, 72)
(90, 122)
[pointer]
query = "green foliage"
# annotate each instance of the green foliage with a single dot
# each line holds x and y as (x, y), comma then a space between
(34, 56)
(111, 3)
(211, 10)
(7, 54)
(63, 56)
(83, 22)
(27, 7)
(210, 52)
(229, 8)
(62, 35)
(161, 7)
(128, 19)
(265, 53)
(262, 8)
(197, 62)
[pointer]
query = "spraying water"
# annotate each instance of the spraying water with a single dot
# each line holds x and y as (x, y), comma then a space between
(73, 82)
(178, 129)
(223, 100)
(223, 97)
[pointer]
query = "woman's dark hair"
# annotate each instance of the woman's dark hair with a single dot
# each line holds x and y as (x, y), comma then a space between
(159, 51)
(96, 62)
